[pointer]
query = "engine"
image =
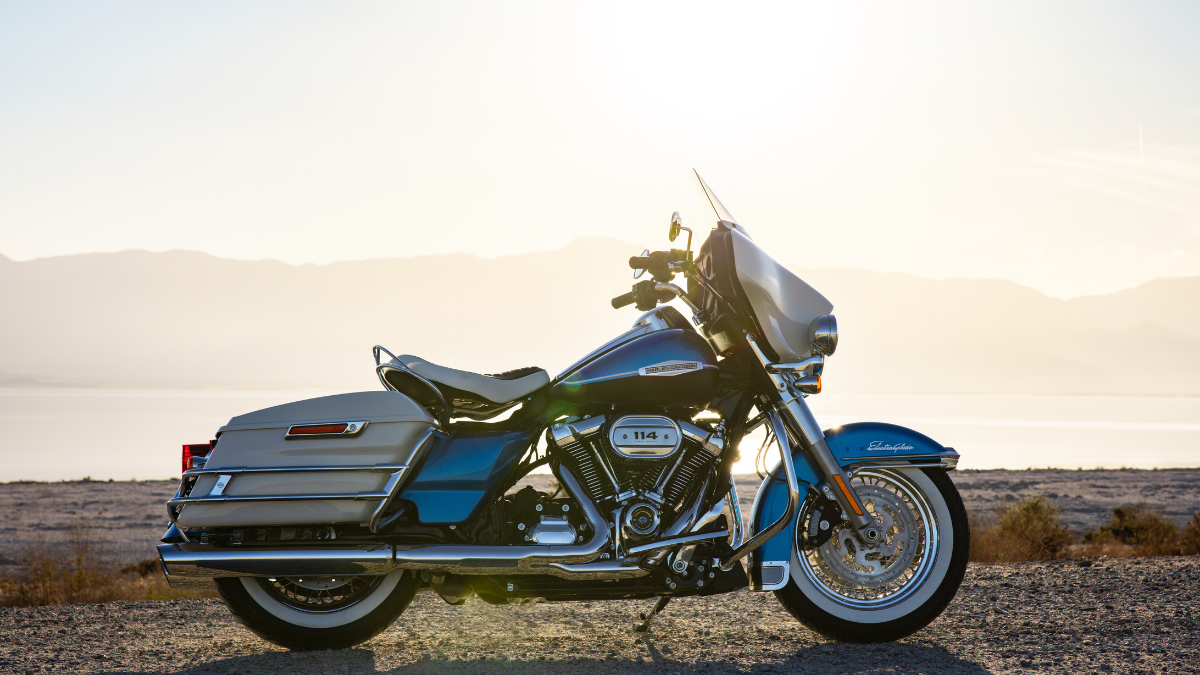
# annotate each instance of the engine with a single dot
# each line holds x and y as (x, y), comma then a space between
(639, 467)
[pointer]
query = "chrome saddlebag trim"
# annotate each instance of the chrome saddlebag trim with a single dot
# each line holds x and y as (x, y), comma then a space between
(567, 561)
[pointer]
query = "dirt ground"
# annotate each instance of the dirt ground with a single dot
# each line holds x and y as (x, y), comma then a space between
(1113, 616)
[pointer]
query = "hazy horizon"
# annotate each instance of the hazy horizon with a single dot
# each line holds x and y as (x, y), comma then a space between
(193, 320)
(632, 247)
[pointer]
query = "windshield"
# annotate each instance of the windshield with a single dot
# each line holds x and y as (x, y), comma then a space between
(703, 204)
(717, 207)
(783, 304)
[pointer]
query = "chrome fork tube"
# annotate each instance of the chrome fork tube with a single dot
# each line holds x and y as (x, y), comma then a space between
(808, 433)
(812, 440)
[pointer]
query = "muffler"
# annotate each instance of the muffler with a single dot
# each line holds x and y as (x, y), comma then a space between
(190, 561)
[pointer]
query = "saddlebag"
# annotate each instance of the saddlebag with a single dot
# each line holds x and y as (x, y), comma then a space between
(334, 459)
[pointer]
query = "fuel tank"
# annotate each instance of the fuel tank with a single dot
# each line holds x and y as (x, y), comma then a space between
(664, 369)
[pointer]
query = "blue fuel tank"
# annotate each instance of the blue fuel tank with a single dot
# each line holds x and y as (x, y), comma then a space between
(664, 369)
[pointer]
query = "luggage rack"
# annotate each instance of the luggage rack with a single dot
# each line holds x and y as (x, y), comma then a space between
(225, 476)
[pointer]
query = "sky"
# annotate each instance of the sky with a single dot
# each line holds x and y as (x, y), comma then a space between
(1053, 144)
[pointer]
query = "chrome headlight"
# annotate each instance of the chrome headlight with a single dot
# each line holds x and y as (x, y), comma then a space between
(822, 334)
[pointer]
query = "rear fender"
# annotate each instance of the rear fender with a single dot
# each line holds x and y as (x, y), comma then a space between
(855, 446)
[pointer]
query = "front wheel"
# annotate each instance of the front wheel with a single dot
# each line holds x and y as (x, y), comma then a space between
(851, 592)
(304, 613)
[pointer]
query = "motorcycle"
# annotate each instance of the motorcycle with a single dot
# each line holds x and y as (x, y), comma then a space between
(318, 521)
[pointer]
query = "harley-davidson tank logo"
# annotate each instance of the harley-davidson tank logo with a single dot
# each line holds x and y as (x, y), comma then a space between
(880, 446)
(670, 368)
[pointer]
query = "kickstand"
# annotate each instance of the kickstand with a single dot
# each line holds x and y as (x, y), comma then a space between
(647, 618)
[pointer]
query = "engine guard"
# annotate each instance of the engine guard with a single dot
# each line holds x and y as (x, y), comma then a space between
(855, 446)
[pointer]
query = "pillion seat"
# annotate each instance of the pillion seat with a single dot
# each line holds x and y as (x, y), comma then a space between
(447, 391)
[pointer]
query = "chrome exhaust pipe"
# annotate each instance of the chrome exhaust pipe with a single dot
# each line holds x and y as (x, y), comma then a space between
(182, 561)
(471, 559)
(202, 560)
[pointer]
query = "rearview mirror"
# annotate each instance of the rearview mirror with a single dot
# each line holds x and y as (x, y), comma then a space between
(676, 226)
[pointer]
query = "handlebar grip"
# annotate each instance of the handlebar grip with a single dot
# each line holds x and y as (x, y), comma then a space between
(639, 262)
(623, 300)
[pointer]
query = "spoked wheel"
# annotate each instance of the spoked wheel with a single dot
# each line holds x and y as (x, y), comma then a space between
(850, 591)
(318, 612)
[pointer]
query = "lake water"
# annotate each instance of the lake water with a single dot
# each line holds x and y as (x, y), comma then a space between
(121, 434)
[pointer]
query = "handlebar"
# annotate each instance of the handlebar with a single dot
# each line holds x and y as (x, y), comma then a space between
(658, 264)
(623, 300)
(662, 265)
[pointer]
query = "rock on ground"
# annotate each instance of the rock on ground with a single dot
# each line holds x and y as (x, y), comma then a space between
(1092, 616)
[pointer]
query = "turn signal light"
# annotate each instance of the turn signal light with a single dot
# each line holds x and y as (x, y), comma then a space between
(809, 385)
(196, 451)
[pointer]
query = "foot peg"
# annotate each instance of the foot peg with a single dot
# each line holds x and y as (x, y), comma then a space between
(644, 626)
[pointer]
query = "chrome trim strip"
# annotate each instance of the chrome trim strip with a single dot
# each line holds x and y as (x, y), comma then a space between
(295, 469)
(785, 577)
(711, 440)
(676, 541)
(352, 429)
(946, 463)
(760, 538)
(278, 498)
(679, 293)
(735, 514)
(567, 433)
(597, 571)
(219, 487)
(798, 366)
(397, 480)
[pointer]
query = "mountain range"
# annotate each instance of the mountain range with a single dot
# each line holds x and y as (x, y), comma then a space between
(183, 319)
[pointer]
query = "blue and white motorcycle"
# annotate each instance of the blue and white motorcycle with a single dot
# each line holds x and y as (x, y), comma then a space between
(319, 520)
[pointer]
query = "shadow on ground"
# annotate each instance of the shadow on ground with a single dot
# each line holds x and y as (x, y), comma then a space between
(823, 659)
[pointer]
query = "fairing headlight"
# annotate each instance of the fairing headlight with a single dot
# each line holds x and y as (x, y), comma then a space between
(822, 334)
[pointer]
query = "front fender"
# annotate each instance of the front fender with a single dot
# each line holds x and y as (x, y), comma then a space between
(854, 446)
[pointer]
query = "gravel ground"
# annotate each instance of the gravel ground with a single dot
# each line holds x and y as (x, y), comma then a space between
(1086, 498)
(1090, 616)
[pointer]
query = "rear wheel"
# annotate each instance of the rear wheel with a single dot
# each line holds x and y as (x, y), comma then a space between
(304, 613)
(856, 593)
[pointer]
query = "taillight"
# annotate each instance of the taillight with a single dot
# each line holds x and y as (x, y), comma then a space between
(196, 451)
(317, 429)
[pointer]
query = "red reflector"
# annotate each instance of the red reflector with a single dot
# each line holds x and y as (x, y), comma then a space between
(195, 450)
(317, 429)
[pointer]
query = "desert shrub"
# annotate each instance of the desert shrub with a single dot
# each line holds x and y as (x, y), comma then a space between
(1026, 530)
(1146, 532)
(986, 545)
(1189, 541)
(1034, 528)
(79, 571)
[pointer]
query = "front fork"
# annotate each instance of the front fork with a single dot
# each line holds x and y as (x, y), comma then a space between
(803, 428)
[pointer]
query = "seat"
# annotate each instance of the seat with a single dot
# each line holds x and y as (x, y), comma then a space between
(500, 388)
(465, 393)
